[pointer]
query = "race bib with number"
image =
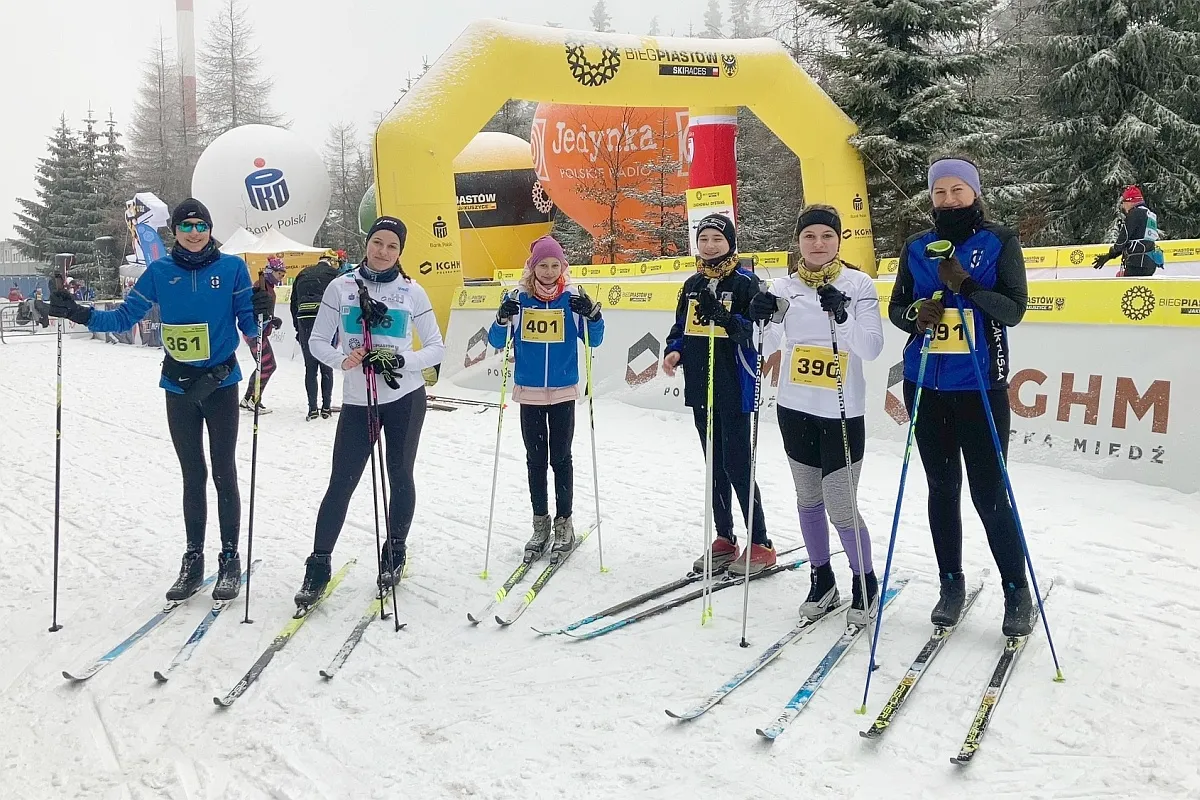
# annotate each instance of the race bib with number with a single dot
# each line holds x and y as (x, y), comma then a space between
(949, 338)
(543, 325)
(815, 367)
(395, 324)
(187, 343)
(695, 327)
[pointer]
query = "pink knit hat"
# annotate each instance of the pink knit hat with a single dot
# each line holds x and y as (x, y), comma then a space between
(545, 247)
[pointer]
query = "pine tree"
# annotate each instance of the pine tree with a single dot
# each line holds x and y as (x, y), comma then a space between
(712, 20)
(739, 17)
(515, 117)
(232, 91)
(769, 187)
(348, 161)
(112, 181)
(600, 19)
(44, 226)
(576, 241)
(901, 72)
(1122, 103)
(665, 222)
(88, 203)
(654, 28)
(161, 159)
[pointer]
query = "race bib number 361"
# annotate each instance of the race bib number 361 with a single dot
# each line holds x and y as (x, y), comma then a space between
(542, 325)
(815, 367)
(187, 343)
(949, 338)
(695, 327)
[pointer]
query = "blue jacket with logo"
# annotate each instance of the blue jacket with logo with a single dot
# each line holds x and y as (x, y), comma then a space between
(546, 364)
(995, 296)
(218, 295)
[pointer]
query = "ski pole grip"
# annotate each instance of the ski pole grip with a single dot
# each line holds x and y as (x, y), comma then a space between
(939, 250)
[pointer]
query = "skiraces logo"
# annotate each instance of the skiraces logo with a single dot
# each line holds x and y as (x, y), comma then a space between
(266, 187)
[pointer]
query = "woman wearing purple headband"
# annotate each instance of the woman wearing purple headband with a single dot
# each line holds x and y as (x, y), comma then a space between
(987, 273)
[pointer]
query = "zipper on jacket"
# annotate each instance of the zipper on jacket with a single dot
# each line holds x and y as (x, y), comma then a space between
(546, 379)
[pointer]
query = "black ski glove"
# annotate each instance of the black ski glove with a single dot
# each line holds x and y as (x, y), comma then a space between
(62, 304)
(834, 301)
(385, 362)
(264, 306)
(710, 309)
(585, 306)
(763, 306)
(509, 308)
(1100, 260)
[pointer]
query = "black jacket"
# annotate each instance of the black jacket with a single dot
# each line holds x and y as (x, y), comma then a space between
(734, 356)
(1137, 233)
(308, 289)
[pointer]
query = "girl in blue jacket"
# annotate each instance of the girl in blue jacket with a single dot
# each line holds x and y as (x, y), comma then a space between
(545, 318)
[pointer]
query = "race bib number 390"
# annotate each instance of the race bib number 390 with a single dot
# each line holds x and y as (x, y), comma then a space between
(187, 343)
(542, 325)
(695, 327)
(949, 337)
(815, 367)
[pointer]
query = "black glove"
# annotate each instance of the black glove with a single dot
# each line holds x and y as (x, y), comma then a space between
(710, 309)
(385, 362)
(62, 304)
(763, 306)
(929, 313)
(834, 301)
(585, 306)
(1100, 260)
(264, 306)
(509, 308)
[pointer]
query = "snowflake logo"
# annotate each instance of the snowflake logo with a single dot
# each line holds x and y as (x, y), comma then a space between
(614, 295)
(590, 73)
(1077, 256)
(1137, 303)
(541, 200)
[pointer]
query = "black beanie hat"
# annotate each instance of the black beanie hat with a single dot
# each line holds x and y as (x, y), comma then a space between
(390, 224)
(818, 216)
(722, 225)
(190, 209)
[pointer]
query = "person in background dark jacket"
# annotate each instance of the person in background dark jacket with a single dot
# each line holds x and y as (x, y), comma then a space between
(720, 292)
(274, 275)
(1137, 238)
(307, 291)
(987, 272)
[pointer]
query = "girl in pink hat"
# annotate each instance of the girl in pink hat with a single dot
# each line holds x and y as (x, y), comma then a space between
(545, 316)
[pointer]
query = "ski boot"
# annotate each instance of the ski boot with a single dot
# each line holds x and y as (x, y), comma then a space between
(312, 415)
(229, 576)
(723, 552)
(823, 594)
(191, 575)
(326, 413)
(248, 405)
(761, 557)
(1018, 610)
(317, 570)
(564, 537)
(861, 613)
(536, 547)
(391, 563)
(948, 610)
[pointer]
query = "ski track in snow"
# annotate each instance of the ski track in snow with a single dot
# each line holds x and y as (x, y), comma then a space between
(442, 709)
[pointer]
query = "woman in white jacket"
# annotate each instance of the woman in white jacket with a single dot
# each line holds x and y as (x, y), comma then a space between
(399, 306)
(821, 288)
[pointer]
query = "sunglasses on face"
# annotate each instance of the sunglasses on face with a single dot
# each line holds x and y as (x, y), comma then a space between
(198, 227)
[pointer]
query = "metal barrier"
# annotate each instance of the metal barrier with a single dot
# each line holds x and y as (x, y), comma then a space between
(13, 330)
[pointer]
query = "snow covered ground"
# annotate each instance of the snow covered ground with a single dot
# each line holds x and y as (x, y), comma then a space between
(446, 710)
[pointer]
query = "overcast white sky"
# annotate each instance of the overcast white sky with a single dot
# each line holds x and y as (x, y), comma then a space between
(331, 59)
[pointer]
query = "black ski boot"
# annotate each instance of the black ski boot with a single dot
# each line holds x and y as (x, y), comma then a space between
(229, 576)
(317, 570)
(861, 613)
(1018, 610)
(191, 575)
(823, 597)
(948, 610)
(391, 564)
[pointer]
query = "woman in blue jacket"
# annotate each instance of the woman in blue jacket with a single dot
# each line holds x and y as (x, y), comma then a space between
(545, 318)
(203, 296)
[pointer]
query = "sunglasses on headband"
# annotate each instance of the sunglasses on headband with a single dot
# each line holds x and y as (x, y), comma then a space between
(188, 227)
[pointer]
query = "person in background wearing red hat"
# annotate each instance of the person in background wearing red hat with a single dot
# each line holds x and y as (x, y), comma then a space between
(1137, 238)
(545, 317)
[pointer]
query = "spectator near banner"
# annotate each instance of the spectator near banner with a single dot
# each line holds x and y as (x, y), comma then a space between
(1137, 238)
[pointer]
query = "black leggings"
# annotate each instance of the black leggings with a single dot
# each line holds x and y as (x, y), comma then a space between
(186, 421)
(731, 470)
(401, 421)
(311, 367)
(950, 423)
(548, 432)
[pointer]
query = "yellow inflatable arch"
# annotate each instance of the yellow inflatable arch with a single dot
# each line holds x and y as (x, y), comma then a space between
(492, 62)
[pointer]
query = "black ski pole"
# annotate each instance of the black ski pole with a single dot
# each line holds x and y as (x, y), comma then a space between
(58, 282)
(262, 335)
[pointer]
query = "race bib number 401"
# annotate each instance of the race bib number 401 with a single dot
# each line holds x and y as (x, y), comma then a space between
(949, 337)
(815, 367)
(187, 343)
(695, 327)
(543, 325)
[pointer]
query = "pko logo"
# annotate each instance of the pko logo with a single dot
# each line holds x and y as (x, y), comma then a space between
(267, 189)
